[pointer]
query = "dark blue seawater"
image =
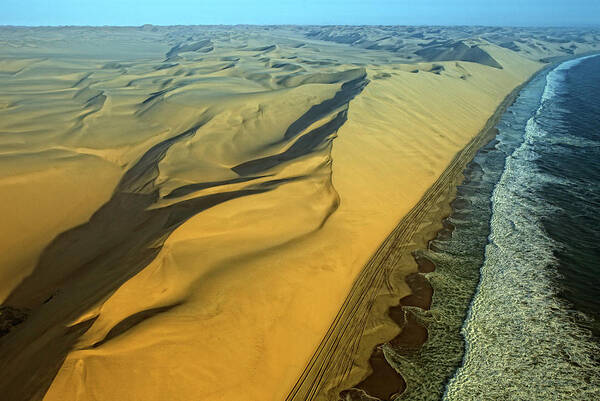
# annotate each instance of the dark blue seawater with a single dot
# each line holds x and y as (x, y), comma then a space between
(573, 158)
(531, 332)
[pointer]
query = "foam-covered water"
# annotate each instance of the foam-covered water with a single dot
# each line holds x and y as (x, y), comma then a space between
(527, 336)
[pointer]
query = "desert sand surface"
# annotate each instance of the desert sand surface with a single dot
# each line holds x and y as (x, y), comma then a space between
(201, 213)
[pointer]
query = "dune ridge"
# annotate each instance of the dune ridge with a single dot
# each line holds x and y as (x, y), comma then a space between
(413, 232)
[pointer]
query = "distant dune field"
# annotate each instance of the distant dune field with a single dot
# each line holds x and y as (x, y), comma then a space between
(196, 213)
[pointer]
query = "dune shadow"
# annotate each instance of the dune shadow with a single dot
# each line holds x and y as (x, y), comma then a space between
(85, 265)
(42, 319)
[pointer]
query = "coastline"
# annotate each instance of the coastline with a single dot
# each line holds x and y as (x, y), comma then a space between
(439, 203)
(529, 317)
(356, 358)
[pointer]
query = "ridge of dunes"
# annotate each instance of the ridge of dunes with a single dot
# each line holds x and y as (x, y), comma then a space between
(458, 51)
(408, 42)
(430, 148)
(158, 192)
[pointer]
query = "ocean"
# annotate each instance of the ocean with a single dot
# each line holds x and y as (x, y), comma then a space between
(531, 330)
(516, 305)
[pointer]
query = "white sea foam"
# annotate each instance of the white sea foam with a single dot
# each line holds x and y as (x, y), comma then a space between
(556, 77)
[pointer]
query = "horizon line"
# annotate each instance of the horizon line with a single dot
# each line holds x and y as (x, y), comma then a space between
(299, 25)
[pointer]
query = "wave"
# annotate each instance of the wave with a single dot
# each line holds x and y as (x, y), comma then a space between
(556, 77)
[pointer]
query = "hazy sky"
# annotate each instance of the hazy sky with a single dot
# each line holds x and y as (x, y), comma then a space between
(385, 12)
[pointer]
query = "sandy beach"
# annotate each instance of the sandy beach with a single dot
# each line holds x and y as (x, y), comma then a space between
(220, 213)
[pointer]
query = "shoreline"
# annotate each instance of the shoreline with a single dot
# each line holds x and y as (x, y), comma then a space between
(413, 335)
(351, 353)
(421, 295)
(540, 300)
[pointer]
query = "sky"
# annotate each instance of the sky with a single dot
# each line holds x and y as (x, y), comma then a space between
(317, 12)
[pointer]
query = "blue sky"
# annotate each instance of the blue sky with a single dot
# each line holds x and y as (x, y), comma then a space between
(385, 12)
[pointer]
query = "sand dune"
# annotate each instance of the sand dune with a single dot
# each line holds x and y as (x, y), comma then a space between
(457, 51)
(220, 213)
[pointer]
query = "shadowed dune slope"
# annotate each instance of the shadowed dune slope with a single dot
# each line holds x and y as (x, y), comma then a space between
(458, 51)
